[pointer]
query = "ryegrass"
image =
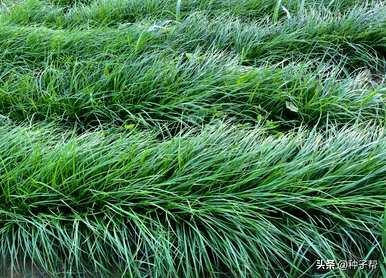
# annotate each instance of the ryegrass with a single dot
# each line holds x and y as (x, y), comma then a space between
(165, 138)
(135, 75)
(189, 90)
(356, 38)
(111, 12)
(219, 200)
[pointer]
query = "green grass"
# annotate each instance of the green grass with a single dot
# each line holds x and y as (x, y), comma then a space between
(216, 200)
(111, 12)
(206, 138)
(189, 90)
(83, 77)
(356, 38)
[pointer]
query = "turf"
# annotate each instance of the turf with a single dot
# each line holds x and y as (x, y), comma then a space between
(164, 138)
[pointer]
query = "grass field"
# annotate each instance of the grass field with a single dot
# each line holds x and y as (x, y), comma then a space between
(202, 138)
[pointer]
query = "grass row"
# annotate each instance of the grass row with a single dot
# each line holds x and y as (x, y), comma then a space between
(173, 74)
(159, 88)
(356, 39)
(110, 12)
(218, 200)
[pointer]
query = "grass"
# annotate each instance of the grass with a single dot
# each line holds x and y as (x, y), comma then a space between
(190, 90)
(356, 38)
(215, 200)
(110, 12)
(83, 78)
(164, 138)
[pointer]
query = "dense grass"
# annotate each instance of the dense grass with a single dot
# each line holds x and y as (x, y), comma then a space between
(132, 75)
(165, 138)
(356, 38)
(188, 90)
(110, 12)
(217, 200)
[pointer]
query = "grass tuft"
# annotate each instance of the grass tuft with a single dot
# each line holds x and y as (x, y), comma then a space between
(218, 200)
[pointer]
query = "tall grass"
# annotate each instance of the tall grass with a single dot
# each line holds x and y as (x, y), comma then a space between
(358, 38)
(219, 200)
(186, 90)
(355, 38)
(305, 71)
(165, 138)
(110, 12)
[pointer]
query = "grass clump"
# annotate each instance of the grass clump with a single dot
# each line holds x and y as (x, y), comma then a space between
(187, 90)
(354, 39)
(220, 200)
(112, 12)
